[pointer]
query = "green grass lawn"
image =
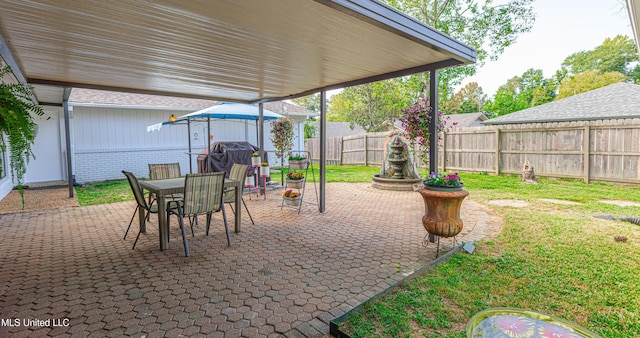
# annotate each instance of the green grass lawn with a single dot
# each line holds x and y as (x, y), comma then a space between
(552, 258)
(119, 190)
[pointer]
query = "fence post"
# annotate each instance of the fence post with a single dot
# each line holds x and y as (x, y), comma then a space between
(586, 134)
(341, 150)
(366, 152)
(444, 151)
(497, 162)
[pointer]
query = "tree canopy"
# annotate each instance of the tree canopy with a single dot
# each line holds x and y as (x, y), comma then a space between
(373, 106)
(586, 81)
(520, 92)
(486, 26)
(618, 54)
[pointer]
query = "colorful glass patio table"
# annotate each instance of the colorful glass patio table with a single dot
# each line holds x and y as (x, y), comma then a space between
(519, 323)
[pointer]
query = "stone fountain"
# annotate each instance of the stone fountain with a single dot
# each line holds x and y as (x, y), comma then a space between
(399, 171)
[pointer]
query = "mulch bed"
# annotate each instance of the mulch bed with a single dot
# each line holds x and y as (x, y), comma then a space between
(38, 199)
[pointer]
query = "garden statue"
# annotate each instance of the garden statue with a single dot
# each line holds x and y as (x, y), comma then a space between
(528, 176)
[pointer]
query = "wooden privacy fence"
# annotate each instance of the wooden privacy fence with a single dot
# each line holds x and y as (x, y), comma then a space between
(589, 150)
(362, 149)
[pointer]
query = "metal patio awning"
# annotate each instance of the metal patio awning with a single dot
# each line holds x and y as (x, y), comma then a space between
(248, 51)
(243, 51)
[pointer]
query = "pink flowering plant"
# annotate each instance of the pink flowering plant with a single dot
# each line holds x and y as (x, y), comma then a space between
(282, 136)
(415, 121)
(443, 179)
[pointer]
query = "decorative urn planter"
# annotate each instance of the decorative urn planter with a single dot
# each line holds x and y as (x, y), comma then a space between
(442, 209)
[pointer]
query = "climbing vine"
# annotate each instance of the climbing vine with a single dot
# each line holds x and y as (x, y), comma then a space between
(17, 127)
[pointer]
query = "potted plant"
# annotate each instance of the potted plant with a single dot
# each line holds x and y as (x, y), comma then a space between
(248, 180)
(442, 193)
(297, 162)
(443, 182)
(282, 137)
(255, 159)
(16, 122)
(295, 180)
(292, 198)
(264, 169)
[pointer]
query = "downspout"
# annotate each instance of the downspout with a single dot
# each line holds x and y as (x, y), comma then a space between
(67, 134)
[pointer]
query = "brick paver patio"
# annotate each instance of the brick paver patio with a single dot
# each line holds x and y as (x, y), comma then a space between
(288, 274)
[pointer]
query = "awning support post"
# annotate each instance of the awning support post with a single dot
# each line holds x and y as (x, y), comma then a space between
(433, 127)
(67, 134)
(323, 150)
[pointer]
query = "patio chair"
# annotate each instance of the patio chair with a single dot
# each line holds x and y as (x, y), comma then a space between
(237, 173)
(163, 171)
(142, 203)
(202, 195)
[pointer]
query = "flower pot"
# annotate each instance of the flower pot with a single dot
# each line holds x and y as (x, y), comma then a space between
(442, 211)
(255, 161)
(294, 202)
(443, 187)
(296, 184)
(248, 181)
(298, 164)
(264, 171)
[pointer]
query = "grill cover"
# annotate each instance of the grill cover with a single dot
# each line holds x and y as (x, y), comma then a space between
(224, 155)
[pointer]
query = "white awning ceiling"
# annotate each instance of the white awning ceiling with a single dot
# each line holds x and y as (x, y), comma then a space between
(243, 51)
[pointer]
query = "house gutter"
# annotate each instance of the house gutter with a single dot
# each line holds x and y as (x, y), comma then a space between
(633, 7)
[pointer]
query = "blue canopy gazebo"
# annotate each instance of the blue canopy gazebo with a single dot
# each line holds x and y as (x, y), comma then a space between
(221, 111)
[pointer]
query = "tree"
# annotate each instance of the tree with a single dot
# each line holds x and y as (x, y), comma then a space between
(16, 122)
(309, 102)
(373, 106)
(488, 27)
(614, 55)
(521, 92)
(587, 81)
(468, 99)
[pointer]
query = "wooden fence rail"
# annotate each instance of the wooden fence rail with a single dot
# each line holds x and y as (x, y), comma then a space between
(589, 150)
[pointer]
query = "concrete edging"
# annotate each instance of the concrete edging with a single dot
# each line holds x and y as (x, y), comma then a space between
(334, 324)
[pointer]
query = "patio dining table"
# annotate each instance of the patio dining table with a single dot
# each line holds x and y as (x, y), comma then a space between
(163, 188)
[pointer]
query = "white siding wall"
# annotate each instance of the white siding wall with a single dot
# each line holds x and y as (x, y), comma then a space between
(109, 140)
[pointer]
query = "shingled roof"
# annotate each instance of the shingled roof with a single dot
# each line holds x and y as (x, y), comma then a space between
(616, 101)
(464, 120)
(80, 96)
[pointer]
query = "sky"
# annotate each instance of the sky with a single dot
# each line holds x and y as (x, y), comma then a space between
(562, 27)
